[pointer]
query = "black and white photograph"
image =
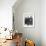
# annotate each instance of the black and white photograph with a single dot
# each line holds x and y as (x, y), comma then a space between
(28, 20)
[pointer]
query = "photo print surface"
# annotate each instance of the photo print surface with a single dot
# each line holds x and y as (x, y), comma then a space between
(29, 20)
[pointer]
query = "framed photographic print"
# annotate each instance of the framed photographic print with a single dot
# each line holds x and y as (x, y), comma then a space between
(28, 19)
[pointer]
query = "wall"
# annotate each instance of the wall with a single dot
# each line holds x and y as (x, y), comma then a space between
(43, 22)
(6, 13)
(33, 33)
